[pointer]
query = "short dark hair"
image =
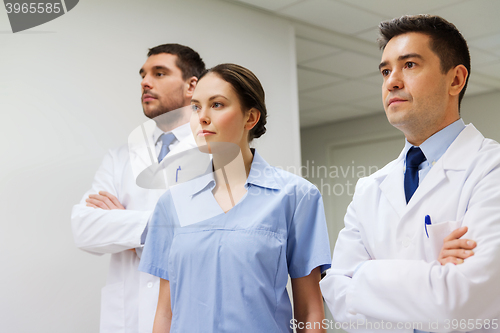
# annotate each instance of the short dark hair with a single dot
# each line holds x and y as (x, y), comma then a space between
(188, 60)
(249, 91)
(446, 41)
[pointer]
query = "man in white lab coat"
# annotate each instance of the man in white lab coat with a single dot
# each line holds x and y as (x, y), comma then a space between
(113, 215)
(387, 270)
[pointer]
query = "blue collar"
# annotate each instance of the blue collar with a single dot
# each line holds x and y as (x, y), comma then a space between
(435, 146)
(261, 174)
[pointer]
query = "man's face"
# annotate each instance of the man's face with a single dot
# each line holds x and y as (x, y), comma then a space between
(415, 91)
(163, 88)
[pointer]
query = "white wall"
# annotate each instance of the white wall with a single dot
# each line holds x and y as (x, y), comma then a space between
(316, 142)
(484, 112)
(70, 90)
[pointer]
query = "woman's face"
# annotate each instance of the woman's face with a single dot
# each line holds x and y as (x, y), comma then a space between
(217, 114)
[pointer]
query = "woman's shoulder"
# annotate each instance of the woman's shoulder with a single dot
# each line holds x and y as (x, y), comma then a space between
(278, 178)
(292, 181)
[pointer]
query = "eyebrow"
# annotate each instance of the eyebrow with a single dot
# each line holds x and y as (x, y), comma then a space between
(211, 98)
(159, 67)
(215, 96)
(402, 57)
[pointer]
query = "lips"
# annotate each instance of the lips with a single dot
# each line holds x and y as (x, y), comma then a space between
(205, 133)
(148, 98)
(396, 100)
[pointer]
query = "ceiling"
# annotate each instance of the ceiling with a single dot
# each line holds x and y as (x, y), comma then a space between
(337, 54)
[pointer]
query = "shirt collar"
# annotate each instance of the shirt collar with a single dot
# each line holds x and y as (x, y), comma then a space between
(204, 182)
(436, 145)
(157, 132)
(181, 133)
(261, 174)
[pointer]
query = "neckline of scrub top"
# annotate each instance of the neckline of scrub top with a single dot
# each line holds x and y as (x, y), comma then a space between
(261, 174)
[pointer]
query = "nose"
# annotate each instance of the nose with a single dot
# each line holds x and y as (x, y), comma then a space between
(394, 81)
(146, 83)
(204, 116)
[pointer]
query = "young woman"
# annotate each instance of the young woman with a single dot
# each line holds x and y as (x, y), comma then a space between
(225, 243)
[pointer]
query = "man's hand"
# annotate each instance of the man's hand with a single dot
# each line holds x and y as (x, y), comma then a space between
(104, 200)
(456, 250)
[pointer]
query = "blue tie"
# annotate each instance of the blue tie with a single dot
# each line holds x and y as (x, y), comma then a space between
(166, 139)
(413, 159)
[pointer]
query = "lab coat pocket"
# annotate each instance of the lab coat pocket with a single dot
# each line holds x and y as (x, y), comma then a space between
(437, 233)
(112, 308)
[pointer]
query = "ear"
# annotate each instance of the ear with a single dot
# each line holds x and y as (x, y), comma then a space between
(459, 78)
(190, 85)
(253, 116)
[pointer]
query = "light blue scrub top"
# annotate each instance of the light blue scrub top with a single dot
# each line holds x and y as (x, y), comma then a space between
(228, 271)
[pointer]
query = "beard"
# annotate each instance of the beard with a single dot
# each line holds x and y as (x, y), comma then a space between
(173, 101)
(169, 114)
(156, 111)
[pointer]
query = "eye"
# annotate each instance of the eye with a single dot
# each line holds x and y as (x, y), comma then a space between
(160, 74)
(384, 72)
(217, 105)
(410, 64)
(195, 107)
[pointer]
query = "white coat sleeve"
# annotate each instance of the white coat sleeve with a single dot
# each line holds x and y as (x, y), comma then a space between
(101, 231)
(406, 290)
(348, 254)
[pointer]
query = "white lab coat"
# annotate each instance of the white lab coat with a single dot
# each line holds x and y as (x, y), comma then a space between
(400, 279)
(129, 299)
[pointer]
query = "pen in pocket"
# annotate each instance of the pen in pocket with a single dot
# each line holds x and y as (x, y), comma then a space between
(427, 222)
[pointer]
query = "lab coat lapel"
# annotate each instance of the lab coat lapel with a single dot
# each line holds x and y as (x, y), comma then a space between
(183, 145)
(180, 158)
(433, 179)
(141, 147)
(392, 185)
(144, 160)
(457, 157)
(462, 151)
